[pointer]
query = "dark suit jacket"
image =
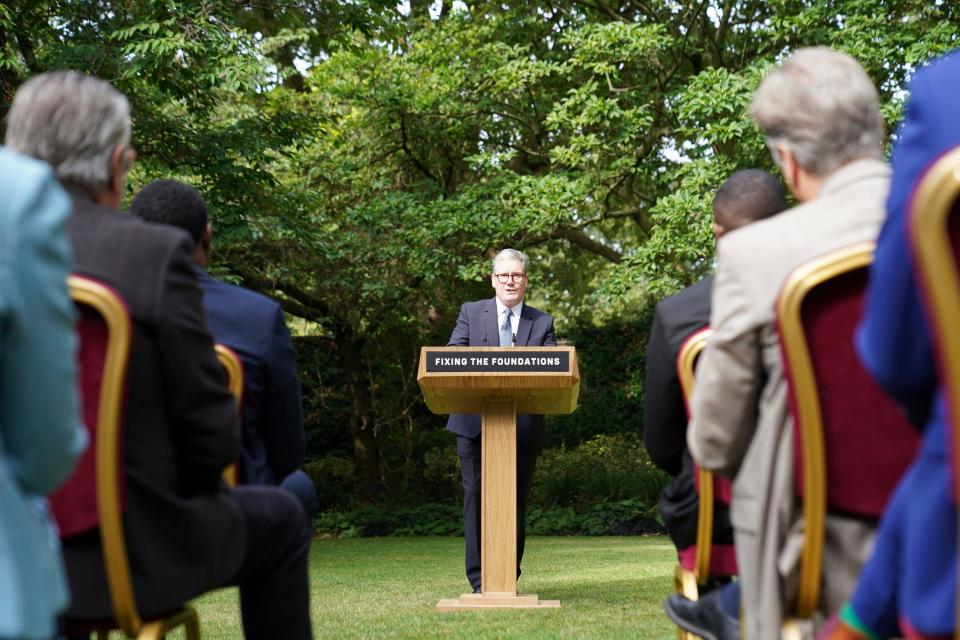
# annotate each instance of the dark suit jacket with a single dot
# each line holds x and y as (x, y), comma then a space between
(665, 414)
(477, 326)
(253, 326)
(184, 535)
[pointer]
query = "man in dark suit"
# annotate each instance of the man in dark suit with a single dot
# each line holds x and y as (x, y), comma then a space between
(253, 326)
(500, 321)
(186, 533)
(746, 196)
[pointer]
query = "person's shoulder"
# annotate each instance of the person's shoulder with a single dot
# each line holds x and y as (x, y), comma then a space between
(21, 169)
(477, 305)
(23, 180)
(945, 68)
(240, 296)
(681, 300)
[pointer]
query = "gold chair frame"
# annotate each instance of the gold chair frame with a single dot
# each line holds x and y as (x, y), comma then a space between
(232, 364)
(809, 418)
(929, 225)
(103, 300)
(687, 583)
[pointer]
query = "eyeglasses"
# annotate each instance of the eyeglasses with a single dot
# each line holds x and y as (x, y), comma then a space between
(504, 278)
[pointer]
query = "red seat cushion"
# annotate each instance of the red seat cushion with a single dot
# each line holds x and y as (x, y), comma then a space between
(868, 441)
(74, 504)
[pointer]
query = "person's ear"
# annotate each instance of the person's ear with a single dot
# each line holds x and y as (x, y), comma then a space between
(788, 167)
(115, 183)
(121, 159)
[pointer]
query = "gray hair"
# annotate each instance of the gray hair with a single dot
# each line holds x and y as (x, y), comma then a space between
(510, 254)
(822, 106)
(72, 121)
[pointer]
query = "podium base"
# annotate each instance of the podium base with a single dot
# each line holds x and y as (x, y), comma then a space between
(497, 601)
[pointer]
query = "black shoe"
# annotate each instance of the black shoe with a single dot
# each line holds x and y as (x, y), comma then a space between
(703, 617)
(476, 590)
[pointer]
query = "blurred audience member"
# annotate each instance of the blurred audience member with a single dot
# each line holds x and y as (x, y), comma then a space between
(40, 434)
(909, 585)
(820, 116)
(746, 196)
(186, 533)
(253, 326)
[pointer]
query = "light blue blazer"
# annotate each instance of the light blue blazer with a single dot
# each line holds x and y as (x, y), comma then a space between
(40, 433)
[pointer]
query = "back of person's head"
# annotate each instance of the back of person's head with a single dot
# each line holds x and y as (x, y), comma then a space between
(72, 121)
(173, 203)
(823, 107)
(746, 196)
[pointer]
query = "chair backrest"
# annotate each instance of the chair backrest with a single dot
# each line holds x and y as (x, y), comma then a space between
(934, 224)
(105, 334)
(851, 442)
(709, 560)
(233, 366)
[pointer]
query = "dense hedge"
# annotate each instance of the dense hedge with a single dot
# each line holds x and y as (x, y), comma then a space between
(605, 486)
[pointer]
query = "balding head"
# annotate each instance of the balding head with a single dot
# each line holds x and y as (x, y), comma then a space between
(746, 196)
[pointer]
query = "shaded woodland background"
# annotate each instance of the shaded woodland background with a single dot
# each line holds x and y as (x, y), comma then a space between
(363, 160)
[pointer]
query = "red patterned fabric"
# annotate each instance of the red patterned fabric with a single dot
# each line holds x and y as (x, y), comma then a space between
(74, 504)
(723, 559)
(868, 441)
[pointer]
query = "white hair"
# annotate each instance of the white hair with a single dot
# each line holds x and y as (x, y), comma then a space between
(823, 107)
(71, 121)
(510, 254)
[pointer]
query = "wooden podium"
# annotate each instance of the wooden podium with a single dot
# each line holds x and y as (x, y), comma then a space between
(499, 383)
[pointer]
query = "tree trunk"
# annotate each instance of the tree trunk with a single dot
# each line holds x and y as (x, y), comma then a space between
(365, 448)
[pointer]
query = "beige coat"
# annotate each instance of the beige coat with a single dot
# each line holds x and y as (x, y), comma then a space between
(741, 425)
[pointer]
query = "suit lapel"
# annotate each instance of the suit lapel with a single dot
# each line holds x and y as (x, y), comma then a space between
(524, 326)
(491, 328)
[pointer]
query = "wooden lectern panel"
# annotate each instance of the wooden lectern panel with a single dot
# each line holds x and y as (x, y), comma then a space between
(498, 557)
(540, 379)
(499, 382)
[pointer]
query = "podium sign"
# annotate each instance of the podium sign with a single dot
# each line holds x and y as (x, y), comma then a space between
(499, 382)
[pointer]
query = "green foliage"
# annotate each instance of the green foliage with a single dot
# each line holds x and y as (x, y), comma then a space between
(363, 160)
(428, 519)
(618, 518)
(610, 358)
(605, 468)
(334, 479)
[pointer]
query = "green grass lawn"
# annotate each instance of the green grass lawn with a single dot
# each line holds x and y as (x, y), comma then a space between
(388, 587)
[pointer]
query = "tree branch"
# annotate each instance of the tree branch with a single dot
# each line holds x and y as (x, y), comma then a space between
(406, 149)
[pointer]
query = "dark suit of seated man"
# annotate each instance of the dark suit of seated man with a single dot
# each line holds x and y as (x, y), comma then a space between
(185, 532)
(500, 321)
(253, 326)
(746, 196)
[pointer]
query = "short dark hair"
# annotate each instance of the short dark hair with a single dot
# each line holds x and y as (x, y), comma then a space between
(174, 203)
(748, 195)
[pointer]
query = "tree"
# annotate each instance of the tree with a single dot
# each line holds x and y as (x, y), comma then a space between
(364, 160)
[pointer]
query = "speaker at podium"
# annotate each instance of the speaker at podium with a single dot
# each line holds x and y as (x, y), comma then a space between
(499, 383)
